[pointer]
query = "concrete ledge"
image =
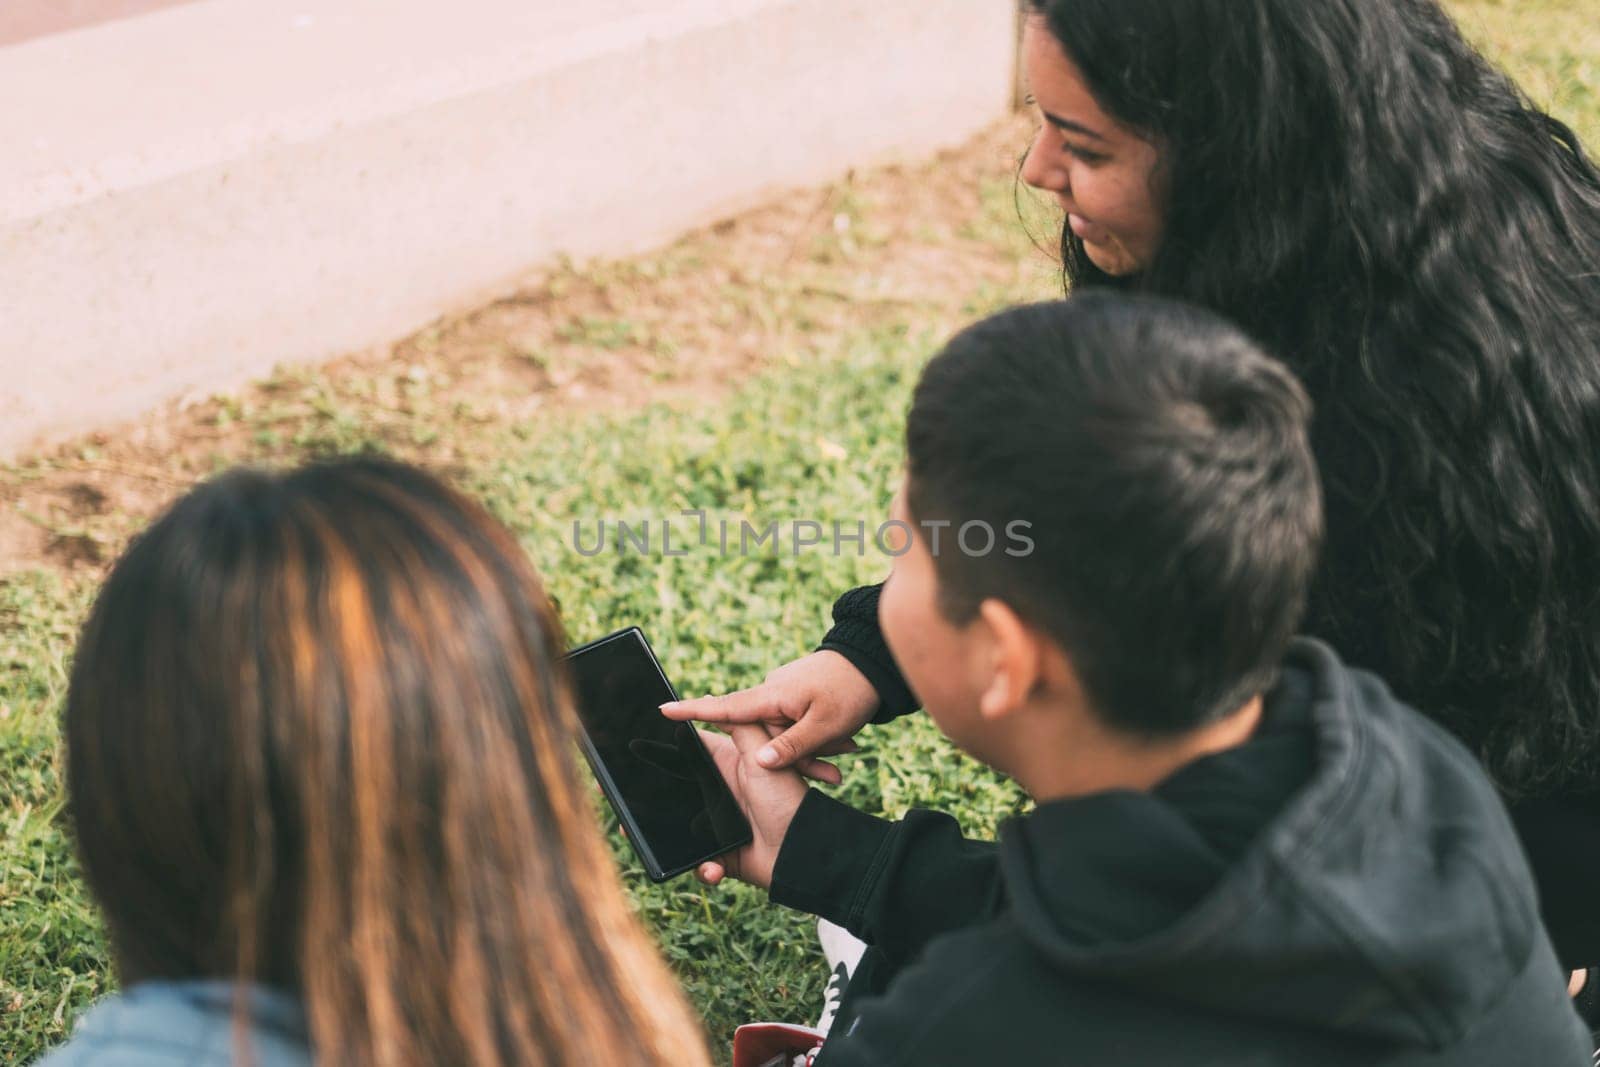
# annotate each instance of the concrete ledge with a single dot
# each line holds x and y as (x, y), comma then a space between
(22, 20)
(194, 195)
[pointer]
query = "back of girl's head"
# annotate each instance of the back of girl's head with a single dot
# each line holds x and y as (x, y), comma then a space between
(317, 737)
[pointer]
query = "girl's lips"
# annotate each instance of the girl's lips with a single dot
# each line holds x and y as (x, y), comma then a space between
(1085, 229)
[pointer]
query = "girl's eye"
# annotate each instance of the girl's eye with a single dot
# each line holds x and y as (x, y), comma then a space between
(1083, 154)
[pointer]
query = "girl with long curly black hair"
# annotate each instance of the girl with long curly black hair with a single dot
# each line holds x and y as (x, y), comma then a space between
(1379, 206)
(1362, 191)
(1369, 197)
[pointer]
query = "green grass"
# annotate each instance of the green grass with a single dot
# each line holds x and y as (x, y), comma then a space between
(815, 438)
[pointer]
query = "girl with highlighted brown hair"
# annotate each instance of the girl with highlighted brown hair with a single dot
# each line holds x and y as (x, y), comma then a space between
(320, 762)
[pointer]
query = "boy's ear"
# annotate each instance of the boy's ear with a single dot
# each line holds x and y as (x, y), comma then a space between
(1016, 660)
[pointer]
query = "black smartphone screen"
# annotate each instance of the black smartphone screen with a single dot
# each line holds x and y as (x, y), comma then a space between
(657, 774)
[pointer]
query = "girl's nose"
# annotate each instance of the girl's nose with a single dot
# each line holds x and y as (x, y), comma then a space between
(1040, 170)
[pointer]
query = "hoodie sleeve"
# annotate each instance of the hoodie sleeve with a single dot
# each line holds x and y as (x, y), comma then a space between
(856, 637)
(895, 885)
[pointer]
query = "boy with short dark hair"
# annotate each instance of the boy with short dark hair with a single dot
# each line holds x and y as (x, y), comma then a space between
(1242, 851)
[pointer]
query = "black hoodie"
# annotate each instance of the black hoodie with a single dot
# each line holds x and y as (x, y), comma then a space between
(1345, 888)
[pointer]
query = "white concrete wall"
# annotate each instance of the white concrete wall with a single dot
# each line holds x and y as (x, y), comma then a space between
(192, 196)
(21, 20)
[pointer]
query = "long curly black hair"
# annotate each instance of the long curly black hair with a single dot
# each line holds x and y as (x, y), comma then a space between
(1360, 189)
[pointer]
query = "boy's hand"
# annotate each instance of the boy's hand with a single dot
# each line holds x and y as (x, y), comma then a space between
(812, 707)
(769, 800)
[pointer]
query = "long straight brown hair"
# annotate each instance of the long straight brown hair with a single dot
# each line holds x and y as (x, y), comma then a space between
(319, 737)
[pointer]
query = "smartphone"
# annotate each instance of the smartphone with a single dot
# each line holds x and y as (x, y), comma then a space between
(657, 774)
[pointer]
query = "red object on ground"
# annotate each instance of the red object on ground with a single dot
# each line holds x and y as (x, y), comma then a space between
(774, 1044)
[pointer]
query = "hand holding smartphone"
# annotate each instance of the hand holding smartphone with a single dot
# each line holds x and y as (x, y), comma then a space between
(656, 773)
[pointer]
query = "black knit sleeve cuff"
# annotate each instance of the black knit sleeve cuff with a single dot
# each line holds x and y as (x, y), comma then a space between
(830, 860)
(857, 637)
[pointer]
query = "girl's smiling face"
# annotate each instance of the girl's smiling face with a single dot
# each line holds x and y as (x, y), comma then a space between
(1106, 177)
